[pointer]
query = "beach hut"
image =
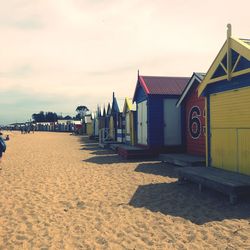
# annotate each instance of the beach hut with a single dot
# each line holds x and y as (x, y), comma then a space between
(158, 119)
(95, 124)
(101, 118)
(194, 109)
(103, 132)
(116, 121)
(87, 124)
(129, 112)
(226, 87)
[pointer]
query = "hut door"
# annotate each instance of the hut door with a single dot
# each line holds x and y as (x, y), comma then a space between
(127, 127)
(172, 123)
(142, 123)
(230, 130)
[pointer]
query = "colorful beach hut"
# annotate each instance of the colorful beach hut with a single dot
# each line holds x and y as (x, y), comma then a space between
(96, 124)
(88, 124)
(107, 116)
(194, 109)
(116, 124)
(129, 112)
(159, 122)
(226, 87)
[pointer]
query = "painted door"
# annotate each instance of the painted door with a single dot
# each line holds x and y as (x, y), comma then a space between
(230, 130)
(96, 127)
(127, 127)
(111, 127)
(195, 124)
(142, 130)
(172, 123)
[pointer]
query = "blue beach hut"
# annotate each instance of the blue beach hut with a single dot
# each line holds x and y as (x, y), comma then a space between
(159, 122)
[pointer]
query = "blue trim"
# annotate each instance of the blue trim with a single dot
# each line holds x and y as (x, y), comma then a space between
(224, 61)
(208, 132)
(224, 85)
(140, 94)
(234, 57)
(219, 72)
(243, 64)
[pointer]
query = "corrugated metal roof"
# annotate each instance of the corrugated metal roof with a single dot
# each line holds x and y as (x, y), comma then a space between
(157, 85)
(247, 41)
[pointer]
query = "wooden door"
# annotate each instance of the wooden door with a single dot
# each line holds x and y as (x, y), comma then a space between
(172, 123)
(142, 128)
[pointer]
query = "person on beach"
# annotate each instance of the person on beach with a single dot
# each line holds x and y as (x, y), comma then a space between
(2, 148)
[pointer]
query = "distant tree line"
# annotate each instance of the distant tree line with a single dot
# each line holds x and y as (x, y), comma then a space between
(48, 117)
(54, 117)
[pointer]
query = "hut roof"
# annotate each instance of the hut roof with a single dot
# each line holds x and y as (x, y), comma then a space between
(196, 77)
(161, 85)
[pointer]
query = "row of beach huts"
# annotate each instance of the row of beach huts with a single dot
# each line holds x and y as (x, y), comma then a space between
(205, 115)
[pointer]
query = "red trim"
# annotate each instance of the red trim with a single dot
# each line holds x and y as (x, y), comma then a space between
(144, 85)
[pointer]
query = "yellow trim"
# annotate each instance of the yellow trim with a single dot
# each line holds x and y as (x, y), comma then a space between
(236, 44)
(217, 79)
(212, 68)
(242, 48)
(223, 67)
(236, 63)
(241, 72)
(128, 105)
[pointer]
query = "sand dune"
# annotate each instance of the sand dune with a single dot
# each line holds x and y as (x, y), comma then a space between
(63, 192)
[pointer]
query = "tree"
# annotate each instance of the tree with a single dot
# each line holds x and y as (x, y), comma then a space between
(82, 110)
(45, 117)
(40, 117)
(67, 117)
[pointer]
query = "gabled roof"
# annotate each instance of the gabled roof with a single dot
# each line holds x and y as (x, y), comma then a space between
(232, 60)
(157, 85)
(101, 111)
(128, 105)
(109, 109)
(117, 104)
(161, 85)
(120, 104)
(196, 77)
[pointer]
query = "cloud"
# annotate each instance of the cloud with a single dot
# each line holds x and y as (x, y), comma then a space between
(71, 52)
(29, 23)
(17, 72)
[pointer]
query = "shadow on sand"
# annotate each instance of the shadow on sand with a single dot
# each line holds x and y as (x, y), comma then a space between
(157, 168)
(186, 202)
(103, 152)
(84, 139)
(111, 158)
(106, 159)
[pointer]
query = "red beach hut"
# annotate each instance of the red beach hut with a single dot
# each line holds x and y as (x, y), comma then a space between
(194, 107)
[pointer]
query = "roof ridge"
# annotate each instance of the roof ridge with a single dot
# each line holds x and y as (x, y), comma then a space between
(166, 76)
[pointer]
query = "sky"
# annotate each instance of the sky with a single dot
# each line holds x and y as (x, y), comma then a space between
(58, 54)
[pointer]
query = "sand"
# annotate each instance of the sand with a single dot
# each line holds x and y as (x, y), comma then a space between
(62, 192)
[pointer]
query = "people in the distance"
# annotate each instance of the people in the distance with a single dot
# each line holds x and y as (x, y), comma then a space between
(2, 148)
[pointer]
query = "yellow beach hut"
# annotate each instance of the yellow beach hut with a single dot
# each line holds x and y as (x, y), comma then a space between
(129, 112)
(226, 87)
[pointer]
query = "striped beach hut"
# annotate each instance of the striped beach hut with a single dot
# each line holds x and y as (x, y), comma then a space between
(129, 113)
(194, 109)
(159, 122)
(226, 87)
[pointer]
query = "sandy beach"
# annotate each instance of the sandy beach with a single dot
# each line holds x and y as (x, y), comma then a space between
(63, 192)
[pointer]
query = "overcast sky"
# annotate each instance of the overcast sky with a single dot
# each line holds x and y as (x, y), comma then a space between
(57, 54)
